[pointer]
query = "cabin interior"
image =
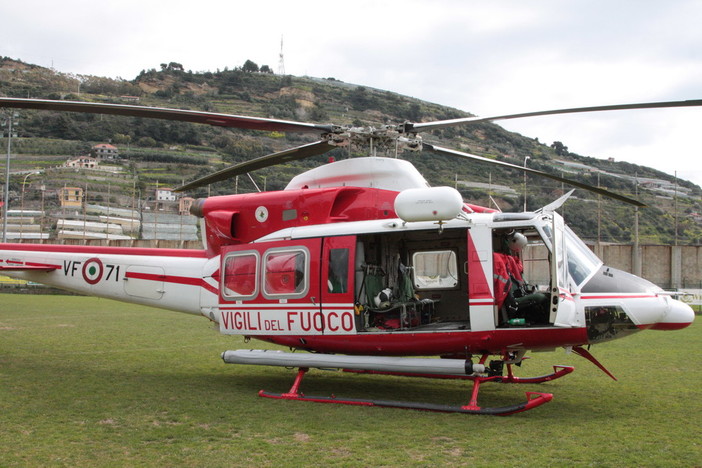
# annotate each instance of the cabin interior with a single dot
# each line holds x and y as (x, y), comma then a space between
(418, 281)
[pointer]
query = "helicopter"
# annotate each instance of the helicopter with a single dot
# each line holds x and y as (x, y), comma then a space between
(360, 265)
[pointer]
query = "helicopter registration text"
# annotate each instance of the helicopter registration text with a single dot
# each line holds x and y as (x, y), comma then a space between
(92, 270)
(296, 321)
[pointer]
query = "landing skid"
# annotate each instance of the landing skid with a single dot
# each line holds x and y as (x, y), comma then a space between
(533, 400)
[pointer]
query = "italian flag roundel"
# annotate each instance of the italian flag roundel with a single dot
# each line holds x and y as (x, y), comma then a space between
(92, 271)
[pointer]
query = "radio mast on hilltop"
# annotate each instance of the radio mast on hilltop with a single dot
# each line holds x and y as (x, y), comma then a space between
(281, 61)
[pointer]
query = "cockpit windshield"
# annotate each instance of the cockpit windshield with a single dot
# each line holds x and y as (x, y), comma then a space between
(582, 262)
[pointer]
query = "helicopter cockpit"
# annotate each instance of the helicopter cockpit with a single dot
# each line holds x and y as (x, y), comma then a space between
(521, 280)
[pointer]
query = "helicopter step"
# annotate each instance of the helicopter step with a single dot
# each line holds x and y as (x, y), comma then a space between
(407, 367)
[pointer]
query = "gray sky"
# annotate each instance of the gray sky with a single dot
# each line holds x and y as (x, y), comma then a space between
(484, 57)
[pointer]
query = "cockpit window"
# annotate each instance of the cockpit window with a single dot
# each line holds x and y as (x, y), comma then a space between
(582, 262)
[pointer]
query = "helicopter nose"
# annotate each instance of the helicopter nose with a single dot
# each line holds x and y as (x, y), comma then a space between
(650, 306)
(679, 315)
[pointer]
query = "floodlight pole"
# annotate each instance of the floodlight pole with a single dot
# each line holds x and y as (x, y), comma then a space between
(6, 200)
(525, 180)
(24, 182)
(636, 267)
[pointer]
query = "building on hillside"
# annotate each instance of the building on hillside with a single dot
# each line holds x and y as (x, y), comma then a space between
(83, 162)
(70, 197)
(165, 194)
(105, 151)
(184, 205)
(164, 199)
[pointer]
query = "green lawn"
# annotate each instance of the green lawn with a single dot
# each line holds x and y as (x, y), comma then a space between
(92, 382)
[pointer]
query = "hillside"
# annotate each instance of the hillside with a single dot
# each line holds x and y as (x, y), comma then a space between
(167, 153)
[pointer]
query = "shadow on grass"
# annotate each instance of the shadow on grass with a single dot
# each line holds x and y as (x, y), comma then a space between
(78, 385)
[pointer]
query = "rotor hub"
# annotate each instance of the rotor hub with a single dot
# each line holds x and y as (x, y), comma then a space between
(387, 138)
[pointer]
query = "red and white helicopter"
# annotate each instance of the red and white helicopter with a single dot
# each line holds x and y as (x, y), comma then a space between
(366, 267)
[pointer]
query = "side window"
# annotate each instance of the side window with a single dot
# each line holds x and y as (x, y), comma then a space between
(435, 269)
(338, 268)
(240, 274)
(285, 273)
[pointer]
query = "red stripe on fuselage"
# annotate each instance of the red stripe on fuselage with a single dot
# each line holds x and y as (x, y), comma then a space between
(173, 279)
(667, 326)
(618, 296)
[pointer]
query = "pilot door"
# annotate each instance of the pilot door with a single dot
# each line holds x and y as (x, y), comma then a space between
(271, 288)
(562, 305)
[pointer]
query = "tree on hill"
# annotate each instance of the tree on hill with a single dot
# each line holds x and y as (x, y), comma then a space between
(172, 66)
(250, 67)
(560, 148)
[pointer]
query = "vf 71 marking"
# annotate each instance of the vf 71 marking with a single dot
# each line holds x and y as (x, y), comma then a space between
(92, 270)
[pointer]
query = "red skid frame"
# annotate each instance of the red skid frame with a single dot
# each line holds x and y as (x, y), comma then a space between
(533, 400)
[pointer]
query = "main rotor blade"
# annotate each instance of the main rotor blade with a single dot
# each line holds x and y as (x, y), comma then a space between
(210, 118)
(423, 127)
(574, 183)
(292, 154)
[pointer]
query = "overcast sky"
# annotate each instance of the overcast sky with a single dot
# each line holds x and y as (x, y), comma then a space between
(484, 57)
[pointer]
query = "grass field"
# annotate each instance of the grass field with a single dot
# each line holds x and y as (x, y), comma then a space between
(91, 382)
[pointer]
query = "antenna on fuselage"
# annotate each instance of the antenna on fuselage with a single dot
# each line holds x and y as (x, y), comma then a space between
(253, 182)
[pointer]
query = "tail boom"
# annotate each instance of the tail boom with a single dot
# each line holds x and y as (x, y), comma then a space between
(175, 279)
